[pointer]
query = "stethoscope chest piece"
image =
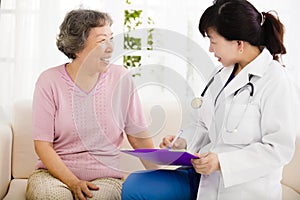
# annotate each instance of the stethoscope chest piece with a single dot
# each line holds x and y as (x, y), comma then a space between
(197, 102)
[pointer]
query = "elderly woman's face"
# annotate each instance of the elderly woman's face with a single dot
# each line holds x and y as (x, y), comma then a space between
(99, 46)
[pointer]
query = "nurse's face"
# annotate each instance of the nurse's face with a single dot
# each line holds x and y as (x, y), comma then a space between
(224, 50)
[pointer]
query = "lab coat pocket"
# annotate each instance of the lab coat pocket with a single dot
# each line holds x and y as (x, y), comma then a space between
(241, 124)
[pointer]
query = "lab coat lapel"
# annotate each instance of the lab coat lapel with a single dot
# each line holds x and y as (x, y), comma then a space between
(232, 86)
(219, 83)
(239, 81)
(257, 68)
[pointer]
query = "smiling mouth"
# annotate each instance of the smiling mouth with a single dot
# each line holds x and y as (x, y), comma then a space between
(106, 60)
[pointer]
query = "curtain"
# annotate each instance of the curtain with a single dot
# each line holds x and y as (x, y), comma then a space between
(27, 36)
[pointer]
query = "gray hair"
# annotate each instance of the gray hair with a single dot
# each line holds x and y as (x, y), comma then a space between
(76, 27)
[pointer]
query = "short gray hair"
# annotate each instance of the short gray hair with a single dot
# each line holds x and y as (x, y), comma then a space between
(76, 27)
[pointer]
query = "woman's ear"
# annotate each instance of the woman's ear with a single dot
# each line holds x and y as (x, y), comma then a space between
(240, 46)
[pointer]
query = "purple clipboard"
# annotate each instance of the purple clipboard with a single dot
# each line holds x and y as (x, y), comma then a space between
(163, 156)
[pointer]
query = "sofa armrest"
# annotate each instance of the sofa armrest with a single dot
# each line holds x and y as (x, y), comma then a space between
(290, 176)
(5, 158)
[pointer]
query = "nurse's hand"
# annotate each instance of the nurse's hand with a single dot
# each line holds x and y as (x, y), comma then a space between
(207, 163)
(180, 143)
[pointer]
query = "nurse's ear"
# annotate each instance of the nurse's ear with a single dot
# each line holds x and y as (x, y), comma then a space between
(240, 46)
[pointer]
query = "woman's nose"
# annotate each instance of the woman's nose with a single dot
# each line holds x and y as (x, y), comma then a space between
(109, 46)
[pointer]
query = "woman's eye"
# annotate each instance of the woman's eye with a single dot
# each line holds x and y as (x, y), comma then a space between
(101, 41)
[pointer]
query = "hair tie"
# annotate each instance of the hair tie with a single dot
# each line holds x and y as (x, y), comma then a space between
(263, 18)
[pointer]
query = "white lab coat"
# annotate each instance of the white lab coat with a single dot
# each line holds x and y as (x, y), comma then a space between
(252, 158)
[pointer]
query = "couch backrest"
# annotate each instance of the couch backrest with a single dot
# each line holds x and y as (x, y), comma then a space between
(23, 154)
(291, 174)
(24, 157)
(163, 120)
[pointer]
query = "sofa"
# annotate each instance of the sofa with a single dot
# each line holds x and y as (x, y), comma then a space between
(17, 156)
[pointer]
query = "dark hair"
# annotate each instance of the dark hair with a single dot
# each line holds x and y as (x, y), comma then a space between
(76, 27)
(240, 20)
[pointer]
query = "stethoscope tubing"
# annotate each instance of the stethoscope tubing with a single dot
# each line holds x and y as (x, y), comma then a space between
(198, 101)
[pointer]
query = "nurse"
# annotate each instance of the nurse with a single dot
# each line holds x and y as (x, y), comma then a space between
(249, 136)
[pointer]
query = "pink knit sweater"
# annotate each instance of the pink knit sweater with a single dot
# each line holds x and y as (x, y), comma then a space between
(86, 128)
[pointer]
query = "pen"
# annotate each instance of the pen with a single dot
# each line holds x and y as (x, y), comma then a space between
(176, 137)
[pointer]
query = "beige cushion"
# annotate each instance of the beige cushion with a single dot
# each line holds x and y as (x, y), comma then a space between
(289, 194)
(291, 172)
(170, 121)
(24, 157)
(5, 158)
(17, 190)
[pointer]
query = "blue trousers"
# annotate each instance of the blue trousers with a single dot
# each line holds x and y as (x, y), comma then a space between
(180, 184)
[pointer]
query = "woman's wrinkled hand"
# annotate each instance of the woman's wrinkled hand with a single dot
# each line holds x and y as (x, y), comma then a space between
(81, 189)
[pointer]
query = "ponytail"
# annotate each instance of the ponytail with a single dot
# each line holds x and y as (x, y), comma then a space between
(272, 35)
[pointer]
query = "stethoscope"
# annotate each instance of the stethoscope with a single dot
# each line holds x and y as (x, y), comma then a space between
(198, 101)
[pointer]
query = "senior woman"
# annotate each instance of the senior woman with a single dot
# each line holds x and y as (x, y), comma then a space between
(77, 130)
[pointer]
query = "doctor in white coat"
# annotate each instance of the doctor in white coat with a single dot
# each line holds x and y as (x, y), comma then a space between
(250, 135)
(245, 131)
